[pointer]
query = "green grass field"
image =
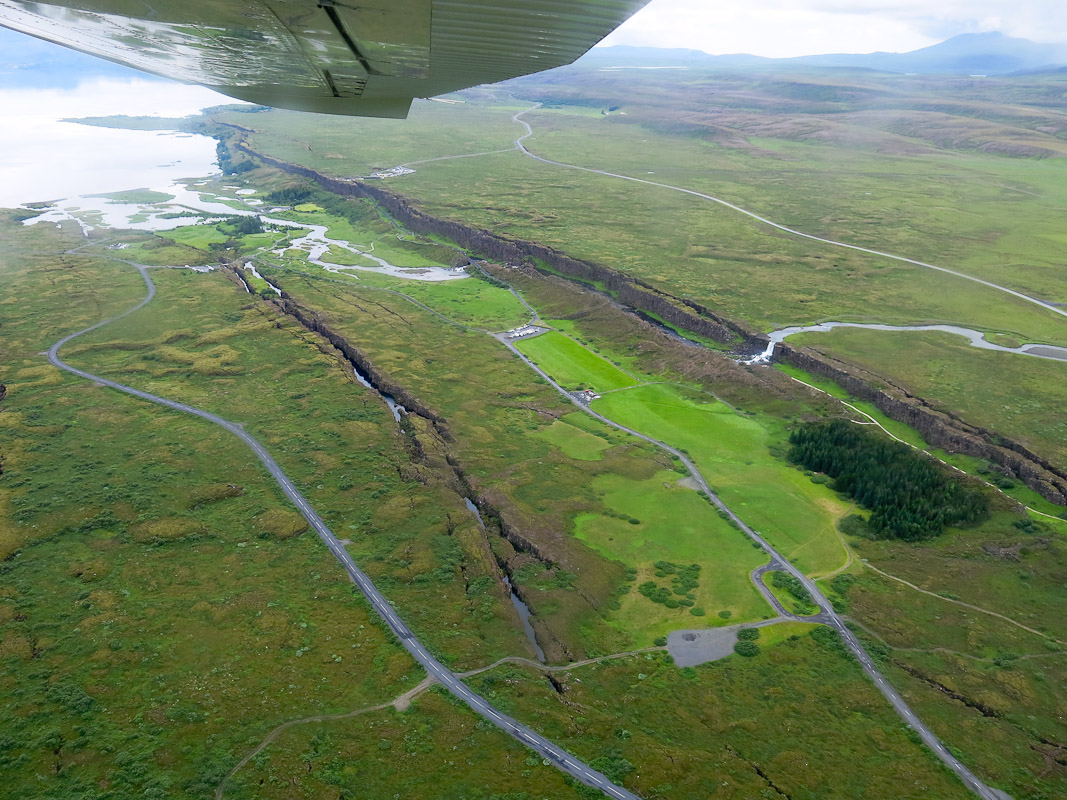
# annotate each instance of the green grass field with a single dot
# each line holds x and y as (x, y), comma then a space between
(140, 546)
(731, 451)
(573, 365)
(566, 434)
(147, 563)
(471, 302)
(932, 185)
(677, 525)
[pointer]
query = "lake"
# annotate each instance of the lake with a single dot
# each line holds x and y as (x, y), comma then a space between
(43, 158)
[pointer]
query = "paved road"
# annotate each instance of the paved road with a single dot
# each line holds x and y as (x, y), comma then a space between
(527, 736)
(826, 615)
(529, 132)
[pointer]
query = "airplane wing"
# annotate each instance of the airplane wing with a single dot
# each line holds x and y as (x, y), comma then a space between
(359, 57)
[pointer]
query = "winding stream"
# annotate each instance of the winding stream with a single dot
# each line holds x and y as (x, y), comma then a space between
(317, 244)
(976, 339)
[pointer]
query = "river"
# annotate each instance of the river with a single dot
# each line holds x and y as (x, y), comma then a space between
(317, 244)
(976, 339)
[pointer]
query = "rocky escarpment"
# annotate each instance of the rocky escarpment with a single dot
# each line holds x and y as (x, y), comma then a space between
(938, 427)
(430, 444)
(627, 290)
(314, 322)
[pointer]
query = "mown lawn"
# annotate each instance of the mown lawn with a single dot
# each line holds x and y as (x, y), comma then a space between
(731, 451)
(572, 365)
(471, 302)
(565, 434)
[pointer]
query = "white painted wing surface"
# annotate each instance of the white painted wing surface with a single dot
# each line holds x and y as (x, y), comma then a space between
(362, 57)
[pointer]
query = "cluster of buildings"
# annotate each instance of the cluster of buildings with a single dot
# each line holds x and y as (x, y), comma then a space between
(525, 330)
(587, 395)
(390, 173)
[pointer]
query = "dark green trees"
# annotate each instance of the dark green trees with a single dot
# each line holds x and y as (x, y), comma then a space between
(910, 496)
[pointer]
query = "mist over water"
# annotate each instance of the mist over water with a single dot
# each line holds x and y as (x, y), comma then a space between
(43, 158)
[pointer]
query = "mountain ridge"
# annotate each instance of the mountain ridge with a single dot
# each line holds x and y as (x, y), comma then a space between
(966, 54)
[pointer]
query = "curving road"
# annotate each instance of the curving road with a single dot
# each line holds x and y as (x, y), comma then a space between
(826, 615)
(792, 231)
(448, 679)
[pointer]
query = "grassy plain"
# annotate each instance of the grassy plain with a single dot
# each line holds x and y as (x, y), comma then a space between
(208, 343)
(352, 146)
(659, 520)
(145, 614)
(568, 435)
(731, 451)
(506, 437)
(797, 719)
(965, 175)
(502, 420)
(572, 365)
(969, 210)
(436, 749)
(471, 302)
(698, 249)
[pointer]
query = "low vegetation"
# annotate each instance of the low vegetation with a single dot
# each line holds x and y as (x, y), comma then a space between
(572, 365)
(750, 722)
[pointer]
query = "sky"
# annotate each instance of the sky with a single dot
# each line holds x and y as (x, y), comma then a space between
(782, 28)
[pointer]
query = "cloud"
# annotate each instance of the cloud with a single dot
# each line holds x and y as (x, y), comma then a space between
(799, 27)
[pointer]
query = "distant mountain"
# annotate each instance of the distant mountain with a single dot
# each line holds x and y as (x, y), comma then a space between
(967, 54)
(628, 56)
(28, 62)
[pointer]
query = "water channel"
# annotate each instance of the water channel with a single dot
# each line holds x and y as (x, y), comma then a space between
(520, 607)
(397, 409)
(976, 339)
(317, 244)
